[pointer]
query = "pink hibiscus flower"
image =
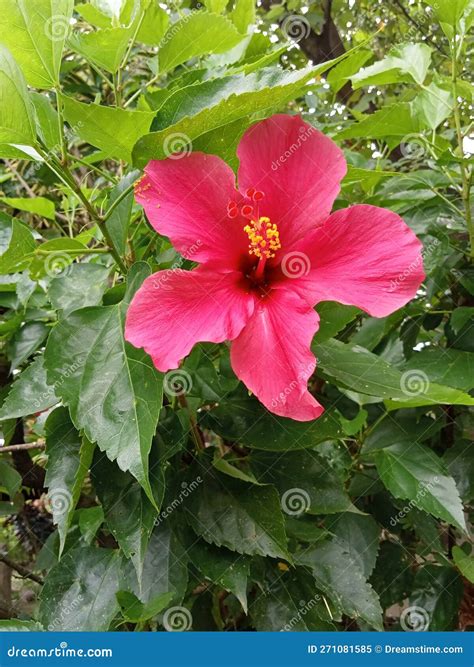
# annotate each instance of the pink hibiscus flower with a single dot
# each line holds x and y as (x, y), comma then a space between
(268, 252)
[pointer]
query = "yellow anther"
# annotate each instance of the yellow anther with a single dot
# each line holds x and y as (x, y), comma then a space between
(264, 238)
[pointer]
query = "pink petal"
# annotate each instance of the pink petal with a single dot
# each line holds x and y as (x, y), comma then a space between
(175, 309)
(296, 167)
(272, 355)
(185, 198)
(362, 256)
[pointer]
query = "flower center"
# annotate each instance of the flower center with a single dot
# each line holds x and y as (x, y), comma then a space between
(263, 235)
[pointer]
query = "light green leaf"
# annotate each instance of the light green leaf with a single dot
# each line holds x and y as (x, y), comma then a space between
(118, 221)
(113, 130)
(69, 458)
(35, 33)
(17, 124)
(86, 581)
(464, 563)
(113, 390)
(243, 15)
(196, 34)
(10, 479)
(340, 577)
(37, 205)
(104, 48)
(333, 317)
(405, 62)
(413, 472)
(433, 105)
(16, 242)
(153, 25)
(356, 368)
(47, 125)
(134, 610)
(340, 74)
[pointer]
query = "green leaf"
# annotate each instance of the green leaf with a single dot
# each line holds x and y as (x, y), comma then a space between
(340, 74)
(360, 534)
(17, 124)
(224, 568)
(304, 481)
(405, 62)
(460, 317)
(450, 13)
(437, 593)
(394, 560)
(464, 562)
(196, 34)
(113, 390)
(10, 479)
(90, 520)
(37, 205)
(433, 105)
(135, 611)
(104, 48)
(243, 15)
(413, 472)
(113, 130)
(129, 514)
(242, 517)
(47, 121)
(16, 242)
(396, 120)
(79, 594)
(35, 33)
(79, 286)
(69, 458)
(290, 605)
(154, 24)
(340, 577)
(197, 109)
(448, 366)
(118, 221)
(246, 421)
(332, 318)
(26, 341)
(356, 368)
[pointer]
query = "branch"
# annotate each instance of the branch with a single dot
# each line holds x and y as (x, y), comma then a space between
(22, 571)
(25, 445)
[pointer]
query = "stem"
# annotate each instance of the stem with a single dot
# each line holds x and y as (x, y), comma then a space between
(117, 201)
(20, 569)
(137, 92)
(62, 137)
(465, 172)
(23, 447)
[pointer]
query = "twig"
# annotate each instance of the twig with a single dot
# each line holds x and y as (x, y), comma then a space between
(23, 446)
(22, 571)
